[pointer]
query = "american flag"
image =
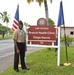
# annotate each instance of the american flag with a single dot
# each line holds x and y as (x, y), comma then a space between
(16, 19)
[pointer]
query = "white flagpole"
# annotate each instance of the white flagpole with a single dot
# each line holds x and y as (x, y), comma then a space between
(58, 56)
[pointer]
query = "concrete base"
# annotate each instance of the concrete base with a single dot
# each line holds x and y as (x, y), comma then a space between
(19, 65)
(67, 64)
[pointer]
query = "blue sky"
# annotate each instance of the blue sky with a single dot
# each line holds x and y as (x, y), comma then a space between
(30, 13)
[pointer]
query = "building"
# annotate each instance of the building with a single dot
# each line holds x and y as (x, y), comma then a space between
(68, 30)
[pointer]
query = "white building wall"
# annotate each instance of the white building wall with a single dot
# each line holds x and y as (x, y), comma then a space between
(68, 30)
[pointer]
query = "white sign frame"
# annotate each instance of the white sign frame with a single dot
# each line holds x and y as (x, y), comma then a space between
(50, 46)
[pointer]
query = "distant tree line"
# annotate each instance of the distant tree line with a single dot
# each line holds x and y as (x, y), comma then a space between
(4, 30)
(4, 17)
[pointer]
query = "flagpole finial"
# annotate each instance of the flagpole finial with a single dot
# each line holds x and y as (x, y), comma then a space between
(60, 0)
(18, 4)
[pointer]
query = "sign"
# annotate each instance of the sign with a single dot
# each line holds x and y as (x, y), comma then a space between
(42, 34)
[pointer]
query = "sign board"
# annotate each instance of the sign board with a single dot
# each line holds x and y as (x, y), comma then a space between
(42, 34)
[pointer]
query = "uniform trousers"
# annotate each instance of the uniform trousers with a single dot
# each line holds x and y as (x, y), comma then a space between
(21, 47)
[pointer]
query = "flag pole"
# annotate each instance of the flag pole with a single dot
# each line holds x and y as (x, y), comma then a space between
(66, 64)
(65, 44)
(61, 22)
(19, 65)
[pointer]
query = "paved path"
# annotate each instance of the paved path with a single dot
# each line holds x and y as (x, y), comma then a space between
(6, 61)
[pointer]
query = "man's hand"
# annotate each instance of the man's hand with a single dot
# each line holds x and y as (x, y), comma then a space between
(18, 52)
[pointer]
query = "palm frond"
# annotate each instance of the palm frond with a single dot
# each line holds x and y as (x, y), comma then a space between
(51, 1)
(29, 1)
(1, 14)
(40, 1)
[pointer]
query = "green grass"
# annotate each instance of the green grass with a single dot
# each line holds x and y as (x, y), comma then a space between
(5, 37)
(73, 39)
(44, 62)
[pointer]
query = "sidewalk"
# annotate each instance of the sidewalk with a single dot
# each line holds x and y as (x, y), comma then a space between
(5, 62)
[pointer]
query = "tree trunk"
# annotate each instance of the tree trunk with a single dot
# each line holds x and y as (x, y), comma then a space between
(46, 11)
(3, 35)
(7, 24)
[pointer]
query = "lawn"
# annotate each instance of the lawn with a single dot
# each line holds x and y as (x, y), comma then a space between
(44, 62)
(5, 37)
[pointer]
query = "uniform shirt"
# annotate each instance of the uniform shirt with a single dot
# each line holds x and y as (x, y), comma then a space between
(19, 36)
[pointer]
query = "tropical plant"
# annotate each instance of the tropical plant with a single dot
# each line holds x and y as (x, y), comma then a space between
(45, 5)
(4, 16)
(68, 40)
(26, 24)
(50, 22)
(3, 30)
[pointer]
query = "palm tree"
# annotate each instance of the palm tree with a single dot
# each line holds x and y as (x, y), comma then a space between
(45, 5)
(26, 26)
(5, 17)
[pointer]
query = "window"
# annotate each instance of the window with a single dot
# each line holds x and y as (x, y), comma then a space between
(71, 33)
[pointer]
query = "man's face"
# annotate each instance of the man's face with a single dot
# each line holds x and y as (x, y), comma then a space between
(20, 26)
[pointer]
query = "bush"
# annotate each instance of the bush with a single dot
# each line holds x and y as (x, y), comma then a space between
(68, 40)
